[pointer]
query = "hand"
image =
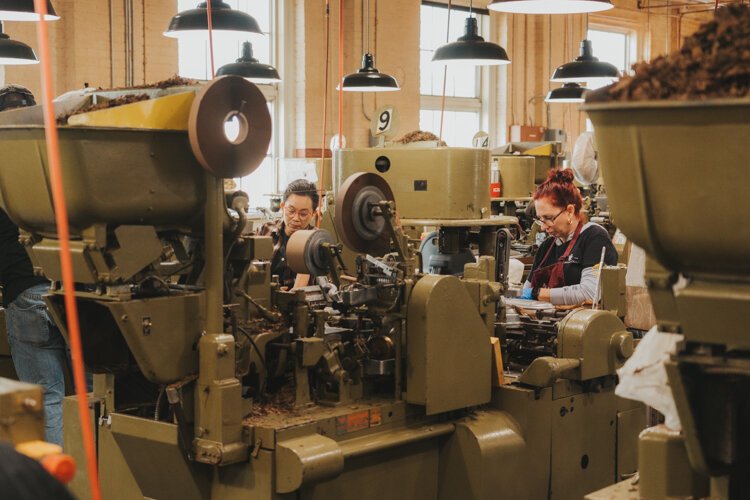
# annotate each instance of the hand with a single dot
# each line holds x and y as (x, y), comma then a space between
(526, 294)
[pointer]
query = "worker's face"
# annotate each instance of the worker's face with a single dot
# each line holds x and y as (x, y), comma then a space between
(298, 212)
(555, 221)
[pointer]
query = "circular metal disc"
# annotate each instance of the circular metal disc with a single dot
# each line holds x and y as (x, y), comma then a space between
(229, 98)
(355, 224)
(305, 253)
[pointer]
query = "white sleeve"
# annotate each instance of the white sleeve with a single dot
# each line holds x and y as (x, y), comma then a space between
(576, 294)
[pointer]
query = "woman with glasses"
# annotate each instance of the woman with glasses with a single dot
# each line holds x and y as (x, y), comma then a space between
(563, 272)
(298, 207)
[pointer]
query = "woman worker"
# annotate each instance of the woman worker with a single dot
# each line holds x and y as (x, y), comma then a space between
(563, 272)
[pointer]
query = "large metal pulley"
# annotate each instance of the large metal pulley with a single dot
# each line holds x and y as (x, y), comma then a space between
(307, 252)
(358, 219)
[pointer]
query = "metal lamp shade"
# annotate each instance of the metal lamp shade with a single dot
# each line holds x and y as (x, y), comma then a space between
(225, 22)
(23, 10)
(14, 52)
(471, 49)
(570, 92)
(369, 79)
(586, 68)
(550, 6)
(250, 68)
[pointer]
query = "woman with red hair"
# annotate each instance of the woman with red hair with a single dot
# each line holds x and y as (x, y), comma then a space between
(563, 272)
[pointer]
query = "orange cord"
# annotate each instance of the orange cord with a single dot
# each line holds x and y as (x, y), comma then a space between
(210, 38)
(341, 74)
(445, 77)
(61, 218)
(325, 116)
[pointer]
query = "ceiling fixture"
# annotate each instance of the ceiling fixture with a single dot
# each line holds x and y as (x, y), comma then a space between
(569, 92)
(250, 68)
(368, 78)
(471, 49)
(586, 68)
(14, 52)
(550, 6)
(23, 10)
(226, 23)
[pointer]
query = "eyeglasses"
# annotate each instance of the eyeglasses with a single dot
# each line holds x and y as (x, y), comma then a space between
(548, 219)
(302, 214)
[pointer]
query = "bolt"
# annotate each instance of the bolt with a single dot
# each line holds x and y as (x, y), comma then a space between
(124, 317)
(222, 349)
(30, 404)
(200, 432)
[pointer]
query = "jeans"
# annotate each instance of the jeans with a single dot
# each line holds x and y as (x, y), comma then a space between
(39, 353)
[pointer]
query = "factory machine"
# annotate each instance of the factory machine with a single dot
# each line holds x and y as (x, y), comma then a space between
(210, 381)
(654, 162)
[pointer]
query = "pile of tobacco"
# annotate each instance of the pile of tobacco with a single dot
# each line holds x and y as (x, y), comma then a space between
(713, 63)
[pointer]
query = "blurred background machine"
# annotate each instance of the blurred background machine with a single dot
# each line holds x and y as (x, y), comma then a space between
(654, 156)
(443, 201)
(212, 382)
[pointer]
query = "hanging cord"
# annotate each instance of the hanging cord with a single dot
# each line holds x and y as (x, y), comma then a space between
(210, 37)
(66, 261)
(341, 73)
(445, 75)
(325, 117)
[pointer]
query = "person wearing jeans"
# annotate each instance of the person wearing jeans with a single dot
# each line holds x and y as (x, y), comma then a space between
(37, 347)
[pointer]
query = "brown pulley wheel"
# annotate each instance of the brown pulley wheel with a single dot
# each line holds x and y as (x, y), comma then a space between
(305, 253)
(356, 224)
(229, 99)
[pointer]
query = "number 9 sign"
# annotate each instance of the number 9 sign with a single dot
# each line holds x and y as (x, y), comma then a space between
(385, 122)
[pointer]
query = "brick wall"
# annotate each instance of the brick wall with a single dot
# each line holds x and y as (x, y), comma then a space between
(85, 50)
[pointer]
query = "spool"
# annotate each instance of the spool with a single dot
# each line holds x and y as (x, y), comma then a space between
(305, 253)
(235, 101)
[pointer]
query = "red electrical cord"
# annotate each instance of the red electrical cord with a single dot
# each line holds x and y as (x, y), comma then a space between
(210, 38)
(325, 115)
(63, 231)
(445, 77)
(341, 74)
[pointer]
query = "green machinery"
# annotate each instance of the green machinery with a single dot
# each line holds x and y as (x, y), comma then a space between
(212, 382)
(662, 160)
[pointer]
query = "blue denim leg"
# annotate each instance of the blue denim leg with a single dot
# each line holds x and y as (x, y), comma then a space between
(39, 353)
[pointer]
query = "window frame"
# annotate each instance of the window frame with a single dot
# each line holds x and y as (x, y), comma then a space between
(484, 81)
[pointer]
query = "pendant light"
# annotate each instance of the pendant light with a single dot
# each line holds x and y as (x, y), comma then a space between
(471, 49)
(368, 78)
(550, 6)
(14, 52)
(226, 23)
(250, 68)
(23, 10)
(586, 68)
(569, 92)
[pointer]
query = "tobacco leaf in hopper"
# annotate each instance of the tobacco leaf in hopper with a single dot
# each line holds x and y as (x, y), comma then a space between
(714, 62)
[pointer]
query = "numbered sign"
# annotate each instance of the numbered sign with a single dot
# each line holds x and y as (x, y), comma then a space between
(385, 122)
(481, 140)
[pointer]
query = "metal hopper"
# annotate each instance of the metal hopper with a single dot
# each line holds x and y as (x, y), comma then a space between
(676, 177)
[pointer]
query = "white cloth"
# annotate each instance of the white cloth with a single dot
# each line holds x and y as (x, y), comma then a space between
(584, 163)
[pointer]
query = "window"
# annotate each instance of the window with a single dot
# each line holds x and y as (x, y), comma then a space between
(463, 104)
(195, 62)
(613, 46)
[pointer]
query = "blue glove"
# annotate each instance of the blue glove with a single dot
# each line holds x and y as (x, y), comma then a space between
(526, 294)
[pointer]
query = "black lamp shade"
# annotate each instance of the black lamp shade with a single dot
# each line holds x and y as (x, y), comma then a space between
(586, 68)
(23, 10)
(471, 49)
(569, 92)
(224, 20)
(250, 68)
(14, 52)
(550, 6)
(369, 79)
